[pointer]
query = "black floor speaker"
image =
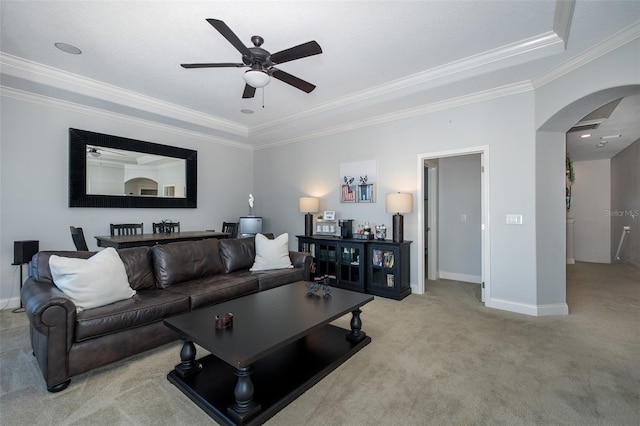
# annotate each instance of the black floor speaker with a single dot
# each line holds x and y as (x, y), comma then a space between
(23, 251)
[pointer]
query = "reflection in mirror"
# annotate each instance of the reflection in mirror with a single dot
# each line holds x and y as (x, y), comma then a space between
(112, 171)
(120, 172)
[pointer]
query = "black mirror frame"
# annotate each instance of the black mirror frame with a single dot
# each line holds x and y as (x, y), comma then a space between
(78, 197)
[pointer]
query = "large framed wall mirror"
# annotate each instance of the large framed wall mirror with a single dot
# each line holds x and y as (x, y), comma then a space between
(112, 171)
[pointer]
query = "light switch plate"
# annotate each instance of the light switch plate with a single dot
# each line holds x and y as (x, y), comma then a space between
(514, 219)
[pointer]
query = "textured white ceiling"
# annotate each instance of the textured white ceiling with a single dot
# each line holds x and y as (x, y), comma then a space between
(380, 56)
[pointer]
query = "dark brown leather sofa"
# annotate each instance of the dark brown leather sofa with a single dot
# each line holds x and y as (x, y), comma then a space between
(169, 279)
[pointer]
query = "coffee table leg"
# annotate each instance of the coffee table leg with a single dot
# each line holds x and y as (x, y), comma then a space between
(188, 364)
(356, 335)
(245, 407)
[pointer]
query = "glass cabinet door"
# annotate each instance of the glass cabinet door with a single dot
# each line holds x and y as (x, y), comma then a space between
(351, 270)
(326, 260)
(383, 267)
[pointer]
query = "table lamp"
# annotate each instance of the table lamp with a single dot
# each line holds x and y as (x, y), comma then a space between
(398, 203)
(308, 205)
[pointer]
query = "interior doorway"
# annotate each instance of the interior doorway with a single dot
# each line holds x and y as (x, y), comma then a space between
(430, 218)
(430, 222)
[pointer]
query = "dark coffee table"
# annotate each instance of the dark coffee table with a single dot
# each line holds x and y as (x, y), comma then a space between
(280, 345)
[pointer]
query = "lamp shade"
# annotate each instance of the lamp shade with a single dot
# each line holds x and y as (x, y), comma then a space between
(399, 203)
(256, 78)
(308, 205)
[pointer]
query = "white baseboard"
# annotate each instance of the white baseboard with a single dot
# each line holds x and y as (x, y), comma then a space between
(571, 261)
(460, 277)
(11, 303)
(553, 309)
(526, 309)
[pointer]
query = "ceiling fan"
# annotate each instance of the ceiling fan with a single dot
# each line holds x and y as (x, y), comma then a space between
(97, 152)
(261, 61)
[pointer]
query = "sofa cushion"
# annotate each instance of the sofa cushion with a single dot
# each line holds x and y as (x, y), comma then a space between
(237, 253)
(174, 263)
(92, 282)
(39, 266)
(271, 254)
(138, 264)
(215, 289)
(146, 307)
(277, 277)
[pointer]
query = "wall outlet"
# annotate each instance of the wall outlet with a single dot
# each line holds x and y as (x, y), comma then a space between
(514, 219)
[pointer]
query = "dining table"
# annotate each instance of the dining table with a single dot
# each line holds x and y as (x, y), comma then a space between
(139, 240)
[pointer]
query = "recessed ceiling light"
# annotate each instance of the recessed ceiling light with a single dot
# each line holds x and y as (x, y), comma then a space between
(587, 135)
(246, 111)
(600, 145)
(610, 137)
(68, 48)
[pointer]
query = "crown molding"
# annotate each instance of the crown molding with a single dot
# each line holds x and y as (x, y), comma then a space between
(627, 35)
(481, 96)
(21, 95)
(544, 44)
(562, 18)
(46, 75)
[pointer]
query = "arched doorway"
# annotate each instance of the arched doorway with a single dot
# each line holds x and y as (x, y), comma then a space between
(551, 205)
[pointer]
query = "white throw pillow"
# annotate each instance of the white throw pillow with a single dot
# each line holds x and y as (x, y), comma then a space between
(92, 282)
(272, 254)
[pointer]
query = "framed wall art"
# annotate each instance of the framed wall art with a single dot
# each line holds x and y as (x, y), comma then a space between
(357, 182)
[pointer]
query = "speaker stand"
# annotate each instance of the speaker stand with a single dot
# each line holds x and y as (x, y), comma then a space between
(21, 308)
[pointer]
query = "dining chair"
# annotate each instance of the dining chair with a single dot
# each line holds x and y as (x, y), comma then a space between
(231, 228)
(78, 239)
(166, 227)
(127, 228)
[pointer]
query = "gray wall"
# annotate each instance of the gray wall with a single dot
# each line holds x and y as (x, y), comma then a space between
(561, 102)
(591, 193)
(625, 202)
(311, 167)
(550, 221)
(459, 247)
(34, 180)
(515, 127)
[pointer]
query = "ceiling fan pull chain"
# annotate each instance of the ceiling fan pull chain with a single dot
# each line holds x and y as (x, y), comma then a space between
(263, 98)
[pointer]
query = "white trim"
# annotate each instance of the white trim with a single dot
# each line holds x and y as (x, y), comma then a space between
(476, 279)
(497, 92)
(43, 74)
(532, 310)
(553, 309)
(608, 45)
(109, 115)
(562, 19)
(483, 150)
(538, 43)
(10, 303)
(537, 46)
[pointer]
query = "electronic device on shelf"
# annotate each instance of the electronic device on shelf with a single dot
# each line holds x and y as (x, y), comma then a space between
(249, 226)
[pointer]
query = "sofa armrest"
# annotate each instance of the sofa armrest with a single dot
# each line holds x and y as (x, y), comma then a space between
(39, 298)
(302, 260)
(52, 318)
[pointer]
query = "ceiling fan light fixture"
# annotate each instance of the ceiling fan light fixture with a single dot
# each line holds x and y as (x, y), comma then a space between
(256, 78)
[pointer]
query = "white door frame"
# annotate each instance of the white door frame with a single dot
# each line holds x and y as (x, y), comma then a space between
(433, 271)
(484, 197)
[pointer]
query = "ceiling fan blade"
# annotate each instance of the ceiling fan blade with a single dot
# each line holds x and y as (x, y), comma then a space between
(249, 92)
(301, 51)
(220, 65)
(292, 80)
(230, 36)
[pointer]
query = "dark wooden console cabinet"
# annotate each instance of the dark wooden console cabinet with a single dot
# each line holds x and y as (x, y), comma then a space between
(375, 267)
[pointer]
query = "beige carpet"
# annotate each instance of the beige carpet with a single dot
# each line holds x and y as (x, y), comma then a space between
(436, 359)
